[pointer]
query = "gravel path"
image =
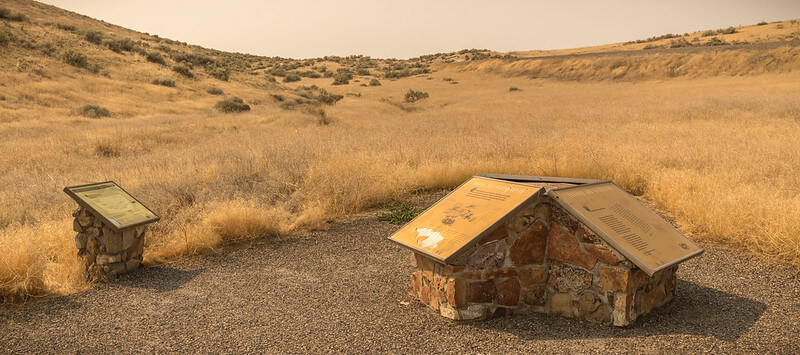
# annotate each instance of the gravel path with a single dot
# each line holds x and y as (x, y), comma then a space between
(346, 290)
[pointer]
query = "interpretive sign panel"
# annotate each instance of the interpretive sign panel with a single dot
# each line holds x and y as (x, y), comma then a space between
(625, 223)
(113, 204)
(464, 215)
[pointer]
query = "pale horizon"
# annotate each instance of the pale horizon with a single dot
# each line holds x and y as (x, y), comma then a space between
(312, 29)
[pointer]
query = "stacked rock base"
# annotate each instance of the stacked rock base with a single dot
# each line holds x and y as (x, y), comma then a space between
(541, 260)
(106, 252)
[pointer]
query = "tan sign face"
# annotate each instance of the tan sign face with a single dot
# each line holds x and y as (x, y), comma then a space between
(112, 203)
(464, 215)
(641, 235)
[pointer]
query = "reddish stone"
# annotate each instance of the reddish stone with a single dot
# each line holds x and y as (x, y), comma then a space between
(586, 236)
(535, 295)
(530, 246)
(508, 292)
(475, 275)
(499, 273)
(653, 299)
(497, 234)
(424, 292)
(454, 269)
(614, 278)
(433, 297)
(416, 280)
(533, 275)
(414, 260)
(427, 266)
(640, 278)
(491, 256)
(564, 247)
(565, 278)
(456, 293)
(602, 253)
(482, 292)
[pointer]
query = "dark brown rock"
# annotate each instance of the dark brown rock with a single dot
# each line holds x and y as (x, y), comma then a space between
(564, 247)
(535, 295)
(508, 292)
(490, 256)
(530, 246)
(500, 273)
(456, 293)
(532, 275)
(481, 292)
(601, 253)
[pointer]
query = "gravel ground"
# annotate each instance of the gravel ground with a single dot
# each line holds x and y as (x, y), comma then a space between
(346, 290)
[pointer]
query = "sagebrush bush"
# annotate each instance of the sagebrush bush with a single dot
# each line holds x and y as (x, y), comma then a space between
(6, 14)
(232, 104)
(374, 82)
(164, 81)
(342, 78)
(119, 45)
(514, 88)
(93, 111)
(95, 37)
(155, 57)
(5, 37)
(213, 90)
(220, 73)
(183, 68)
(291, 77)
(412, 95)
(75, 58)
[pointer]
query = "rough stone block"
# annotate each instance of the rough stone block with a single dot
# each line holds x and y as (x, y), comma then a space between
(137, 249)
(508, 292)
(614, 278)
(517, 223)
(103, 259)
(601, 253)
(535, 295)
(565, 278)
(475, 311)
(416, 280)
(500, 273)
(449, 312)
(129, 238)
(561, 304)
(532, 275)
(530, 246)
(92, 232)
(564, 247)
(92, 245)
(424, 294)
(624, 312)
(655, 298)
(497, 234)
(456, 292)
(543, 211)
(593, 310)
(116, 268)
(133, 263)
(112, 242)
(490, 256)
(80, 240)
(586, 236)
(481, 292)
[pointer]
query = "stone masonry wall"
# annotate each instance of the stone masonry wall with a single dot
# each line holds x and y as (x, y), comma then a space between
(106, 252)
(542, 260)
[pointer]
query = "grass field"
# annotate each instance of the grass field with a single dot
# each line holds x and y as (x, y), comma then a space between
(716, 151)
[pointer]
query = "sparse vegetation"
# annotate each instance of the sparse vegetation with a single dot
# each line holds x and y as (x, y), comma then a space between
(220, 73)
(399, 213)
(232, 104)
(342, 78)
(75, 58)
(514, 88)
(413, 96)
(155, 57)
(95, 37)
(213, 90)
(291, 77)
(6, 14)
(374, 82)
(183, 68)
(5, 37)
(164, 81)
(93, 111)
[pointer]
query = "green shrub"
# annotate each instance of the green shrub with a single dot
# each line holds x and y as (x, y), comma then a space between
(413, 96)
(95, 37)
(399, 213)
(6, 14)
(374, 82)
(5, 37)
(762, 23)
(328, 98)
(328, 74)
(120, 45)
(231, 105)
(183, 68)
(447, 79)
(220, 73)
(514, 88)
(291, 77)
(715, 41)
(213, 90)
(155, 57)
(727, 31)
(93, 111)
(272, 79)
(164, 81)
(66, 27)
(342, 78)
(75, 58)
(309, 74)
(363, 71)
(354, 94)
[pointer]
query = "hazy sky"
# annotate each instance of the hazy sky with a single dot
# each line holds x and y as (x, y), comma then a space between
(403, 29)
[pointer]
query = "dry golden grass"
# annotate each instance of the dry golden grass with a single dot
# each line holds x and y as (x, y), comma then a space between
(718, 152)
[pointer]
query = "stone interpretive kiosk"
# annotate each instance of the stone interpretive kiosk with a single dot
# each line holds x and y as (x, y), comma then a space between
(500, 245)
(110, 226)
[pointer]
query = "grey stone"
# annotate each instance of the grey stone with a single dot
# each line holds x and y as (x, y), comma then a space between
(80, 240)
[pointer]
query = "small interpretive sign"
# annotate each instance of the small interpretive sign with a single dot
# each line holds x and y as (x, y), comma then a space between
(114, 205)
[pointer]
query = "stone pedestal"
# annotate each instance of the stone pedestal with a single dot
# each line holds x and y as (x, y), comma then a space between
(541, 260)
(105, 251)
